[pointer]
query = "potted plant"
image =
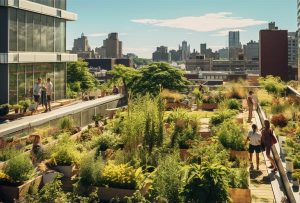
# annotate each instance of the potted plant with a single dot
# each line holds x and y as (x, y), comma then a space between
(97, 118)
(210, 101)
(17, 108)
(17, 177)
(106, 141)
(64, 156)
(118, 181)
(296, 177)
(4, 110)
(289, 164)
(25, 104)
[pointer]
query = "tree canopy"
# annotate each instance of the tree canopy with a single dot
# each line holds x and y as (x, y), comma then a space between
(79, 77)
(151, 78)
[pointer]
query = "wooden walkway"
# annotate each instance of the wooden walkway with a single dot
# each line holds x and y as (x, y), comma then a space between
(260, 181)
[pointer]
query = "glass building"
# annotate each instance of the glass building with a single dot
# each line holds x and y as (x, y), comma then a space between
(32, 46)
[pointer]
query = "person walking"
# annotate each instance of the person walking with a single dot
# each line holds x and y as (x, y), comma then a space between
(49, 91)
(250, 103)
(254, 139)
(268, 140)
(37, 88)
(115, 90)
(44, 97)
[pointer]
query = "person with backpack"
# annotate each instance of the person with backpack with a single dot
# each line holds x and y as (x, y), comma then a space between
(268, 140)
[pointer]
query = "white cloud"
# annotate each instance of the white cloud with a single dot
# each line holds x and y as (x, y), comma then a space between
(206, 23)
(222, 33)
(96, 35)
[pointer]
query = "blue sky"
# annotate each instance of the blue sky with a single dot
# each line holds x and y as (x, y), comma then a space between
(146, 24)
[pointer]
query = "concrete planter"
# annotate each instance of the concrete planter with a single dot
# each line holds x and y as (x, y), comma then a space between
(239, 154)
(295, 182)
(209, 107)
(12, 193)
(67, 171)
(238, 195)
(49, 176)
(205, 134)
(106, 194)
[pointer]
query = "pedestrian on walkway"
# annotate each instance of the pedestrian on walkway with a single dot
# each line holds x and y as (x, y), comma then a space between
(115, 90)
(44, 96)
(254, 139)
(250, 103)
(268, 140)
(37, 90)
(49, 91)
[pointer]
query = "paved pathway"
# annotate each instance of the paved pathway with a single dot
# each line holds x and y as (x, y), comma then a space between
(260, 181)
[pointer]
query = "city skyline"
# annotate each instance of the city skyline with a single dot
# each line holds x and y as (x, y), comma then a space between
(173, 21)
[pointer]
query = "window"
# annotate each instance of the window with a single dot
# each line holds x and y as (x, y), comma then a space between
(36, 32)
(60, 33)
(21, 30)
(61, 4)
(13, 83)
(29, 25)
(13, 30)
(43, 33)
(50, 34)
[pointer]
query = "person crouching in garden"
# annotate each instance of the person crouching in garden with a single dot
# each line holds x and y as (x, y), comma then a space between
(37, 149)
(254, 139)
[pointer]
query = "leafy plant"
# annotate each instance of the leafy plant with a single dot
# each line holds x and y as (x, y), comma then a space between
(167, 179)
(231, 135)
(89, 170)
(234, 104)
(66, 123)
(8, 153)
(279, 120)
(205, 183)
(64, 153)
(222, 115)
(120, 176)
(235, 91)
(238, 178)
(19, 169)
(4, 109)
(272, 85)
(105, 141)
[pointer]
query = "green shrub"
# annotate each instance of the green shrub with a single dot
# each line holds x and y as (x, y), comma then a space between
(90, 170)
(7, 153)
(206, 183)
(220, 116)
(4, 109)
(231, 135)
(272, 85)
(238, 178)
(167, 179)
(234, 104)
(19, 169)
(106, 141)
(279, 120)
(66, 123)
(64, 153)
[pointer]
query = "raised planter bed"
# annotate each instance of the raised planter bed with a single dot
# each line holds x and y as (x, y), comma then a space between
(184, 154)
(238, 195)
(205, 134)
(239, 154)
(106, 194)
(12, 193)
(209, 107)
(67, 171)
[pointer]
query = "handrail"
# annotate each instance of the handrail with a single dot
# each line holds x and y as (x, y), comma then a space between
(288, 191)
(293, 91)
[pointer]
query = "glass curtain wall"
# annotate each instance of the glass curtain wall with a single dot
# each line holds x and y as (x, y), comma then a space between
(23, 76)
(61, 4)
(32, 32)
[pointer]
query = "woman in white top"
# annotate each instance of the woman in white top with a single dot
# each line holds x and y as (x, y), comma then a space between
(255, 145)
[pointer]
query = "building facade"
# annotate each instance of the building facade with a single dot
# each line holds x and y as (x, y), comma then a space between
(251, 50)
(185, 50)
(161, 54)
(234, 44)
(292, 49)
(82, 48)
(112, 47)
(274, 53)
(298, 42)
(32, 46)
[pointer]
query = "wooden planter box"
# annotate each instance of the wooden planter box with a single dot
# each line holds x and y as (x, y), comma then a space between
(239, 154)
(240, 195)
(106, 194)
(205, 134)
(67, 171)
(209, 107)
(184, 154)
(12, 193)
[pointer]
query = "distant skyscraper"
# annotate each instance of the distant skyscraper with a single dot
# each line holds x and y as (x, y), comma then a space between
(234, 45)
(186, 50)
(112, 47)
(82, 48)
(272, 26)
(203, 49)
(292, 49)
(223, 54)
(32, 46)
(274, 53)
(251, 50)
(175, 55)
(161, 54)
